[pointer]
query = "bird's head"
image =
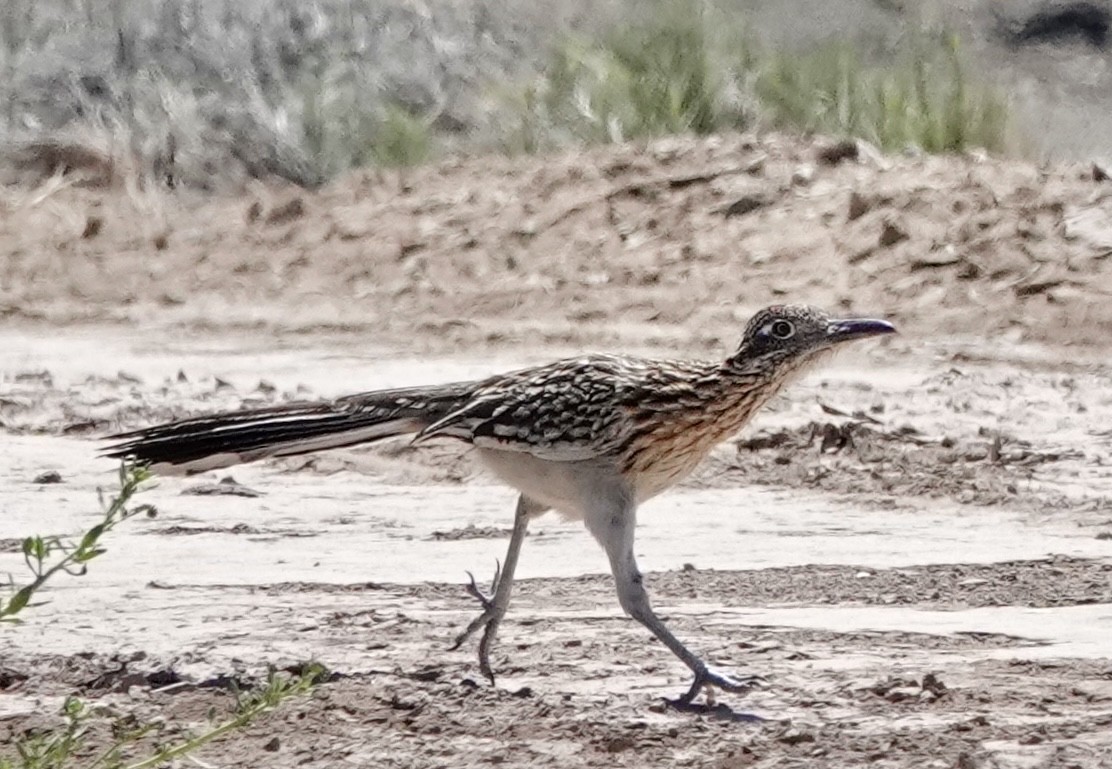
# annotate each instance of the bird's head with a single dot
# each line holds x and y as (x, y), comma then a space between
(786, 338)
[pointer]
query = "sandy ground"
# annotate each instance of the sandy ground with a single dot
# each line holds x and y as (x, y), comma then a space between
(913, 545)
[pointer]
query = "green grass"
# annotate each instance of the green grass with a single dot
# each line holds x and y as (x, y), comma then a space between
(689, 68)
(661, 76)
(924, 99)
(402, 139)
(212, 93)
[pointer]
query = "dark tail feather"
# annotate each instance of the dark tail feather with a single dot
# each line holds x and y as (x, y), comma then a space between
(220, 440)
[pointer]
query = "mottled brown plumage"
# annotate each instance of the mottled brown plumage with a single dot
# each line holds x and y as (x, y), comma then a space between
(590, 437)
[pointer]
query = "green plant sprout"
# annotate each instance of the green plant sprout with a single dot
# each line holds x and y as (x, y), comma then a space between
(47, 557)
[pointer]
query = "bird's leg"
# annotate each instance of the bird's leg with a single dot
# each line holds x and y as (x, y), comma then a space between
(635, 600)
(494, 608)
(615, 532)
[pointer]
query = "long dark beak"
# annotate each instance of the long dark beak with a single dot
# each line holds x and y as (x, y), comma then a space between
(857, 328)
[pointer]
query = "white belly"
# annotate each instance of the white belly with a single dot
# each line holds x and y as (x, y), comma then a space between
(570, 488)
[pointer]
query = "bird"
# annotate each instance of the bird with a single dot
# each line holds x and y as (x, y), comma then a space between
(590, 437)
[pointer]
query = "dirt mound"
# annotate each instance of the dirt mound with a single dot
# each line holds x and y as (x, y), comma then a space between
(669, 243)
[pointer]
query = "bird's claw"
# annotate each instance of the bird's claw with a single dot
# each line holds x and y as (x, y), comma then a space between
(476, 592)
(710, 679)
(488, 620)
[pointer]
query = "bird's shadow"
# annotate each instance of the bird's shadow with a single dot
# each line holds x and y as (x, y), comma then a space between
(719, 711)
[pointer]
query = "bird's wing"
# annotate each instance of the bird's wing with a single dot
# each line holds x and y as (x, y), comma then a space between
(564, 412)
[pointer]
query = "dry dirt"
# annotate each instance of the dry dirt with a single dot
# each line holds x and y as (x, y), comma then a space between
(913, 545)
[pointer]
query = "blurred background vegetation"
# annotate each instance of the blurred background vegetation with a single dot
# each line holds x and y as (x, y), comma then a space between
(210, 93)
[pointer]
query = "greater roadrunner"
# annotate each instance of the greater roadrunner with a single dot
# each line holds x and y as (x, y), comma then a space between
(590, 437)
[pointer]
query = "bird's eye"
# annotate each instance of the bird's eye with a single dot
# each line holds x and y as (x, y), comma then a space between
(782, 329)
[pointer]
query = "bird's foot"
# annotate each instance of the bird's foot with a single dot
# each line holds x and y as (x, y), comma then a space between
(477, 593)
(709, 679)
(488, 620)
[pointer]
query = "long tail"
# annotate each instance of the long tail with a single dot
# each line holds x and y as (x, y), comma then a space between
(220, 440)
